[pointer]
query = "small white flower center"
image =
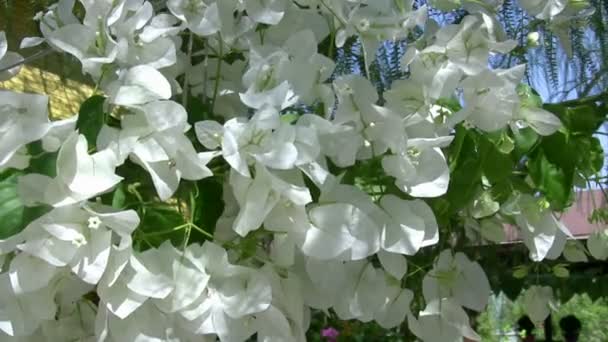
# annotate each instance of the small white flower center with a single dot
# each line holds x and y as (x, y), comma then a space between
(79, 241)
(94, 222)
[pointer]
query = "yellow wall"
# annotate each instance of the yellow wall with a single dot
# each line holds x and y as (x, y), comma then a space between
(56, 75)
(65, 95)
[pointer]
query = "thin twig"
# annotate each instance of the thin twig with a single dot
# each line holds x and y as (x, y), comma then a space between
(218, 71)
(29, 59)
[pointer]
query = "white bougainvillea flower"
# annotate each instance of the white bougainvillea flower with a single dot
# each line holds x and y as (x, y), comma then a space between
(92, 48)
(377, 22)
(322, 280)
(411, 225)
(227, 101)
(432, 71)
(58, 132)
(442, 320)
(268, 190)
(23, 119)
(265, 86)
(139, 85)
(287, 308)
(235, 294)
(394, 264)
(597, 244)
(420, 171)
(80, 176)
(264, 139)
(208, 17)
(540, 228)
(396, 306)
(79, 238)
(365, 293)
(540, 120)
(202, 17)
(301, 49)
(20, 160)
(154, 138)
(470, 47)
(146, 324)
(455, 276)
(407, 97)
(491, 99)
(340, 230)
(538, 302)
(74, 318)
(171, 280)
(8, 60)
(27, 273)
(575, 251)
(340, 143)
(543, 9)
(266, 12)
(21, 314)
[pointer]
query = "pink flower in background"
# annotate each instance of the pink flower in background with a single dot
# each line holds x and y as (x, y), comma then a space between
(330, 333)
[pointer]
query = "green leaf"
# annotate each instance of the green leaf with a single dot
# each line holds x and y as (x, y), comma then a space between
(464, 182)
(456, 146)
(119, 197)
(197, 110)
(11, 208)
(561, 271)
(159, 224)
(584, 119)
(290, 117)
(552, 180)
(91, 118)
(528, 96)
(44, 163)
(525, 139)
(496, 165)
(591, 155)
(520, 272)
(210, 204)
(14, 216)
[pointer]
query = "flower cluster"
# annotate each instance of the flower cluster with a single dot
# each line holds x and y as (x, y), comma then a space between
(319, 241)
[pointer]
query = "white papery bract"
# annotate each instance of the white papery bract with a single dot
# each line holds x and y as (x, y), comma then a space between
(80, 176)
(153, 136)
(23, 119)
(330, 185)
(8, 59)
(597, 244)
(542, 232)
(455, 276)
(79, 238)
(442, 320)
(538, 302)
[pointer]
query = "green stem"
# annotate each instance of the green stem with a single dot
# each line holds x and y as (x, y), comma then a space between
(186, 76)
(218, 71)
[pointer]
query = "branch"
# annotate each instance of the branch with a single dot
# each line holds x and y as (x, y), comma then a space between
(29, 59)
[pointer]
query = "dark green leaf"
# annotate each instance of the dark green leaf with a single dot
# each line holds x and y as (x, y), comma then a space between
(158, 225)
(11, 208)
(525, 139)
(591, 155)
(585, 119)
(91, 118)
(497, 166)
(528, 96)
(553, 181)
(44, 163)
(119, 197)
(210, 204)
(14, 216)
